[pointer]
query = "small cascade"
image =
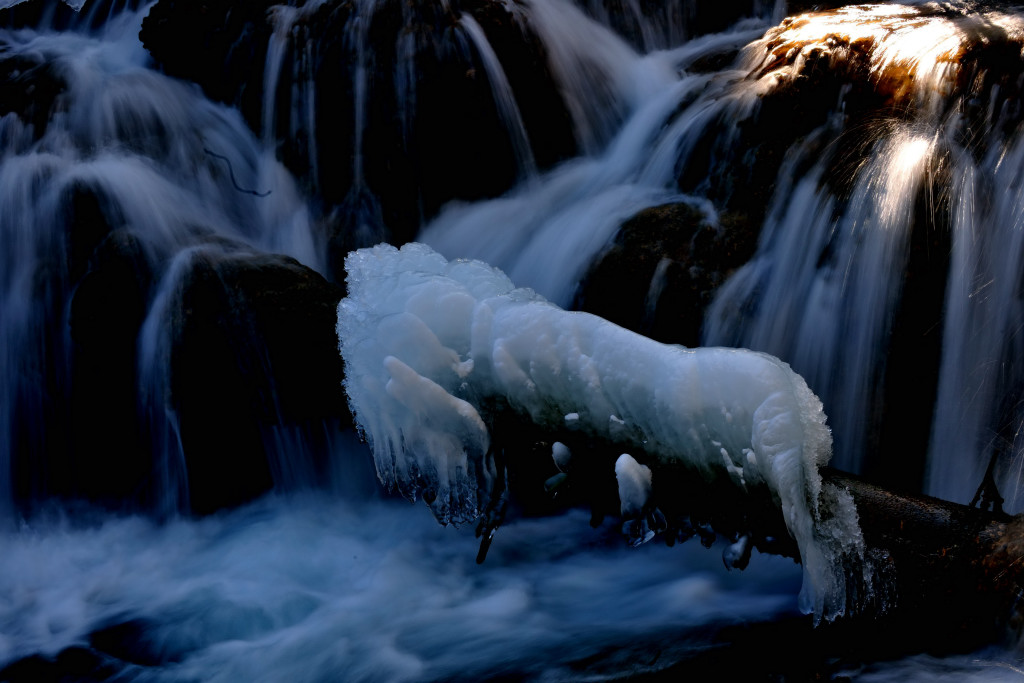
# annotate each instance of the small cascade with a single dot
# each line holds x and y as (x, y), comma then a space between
(546, 233)
(861, 240)
(95, 15)
(865, 276)
(592, 68)
(107, 188)
(856, 253)
(978, 410)
(439, 101)
(651, 26)
(503, 96)
(821, 290)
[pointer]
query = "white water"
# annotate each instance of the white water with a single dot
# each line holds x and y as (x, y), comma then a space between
(313, 588)
(508, 110)
(547, 231)
(73, 4)
(977, 410)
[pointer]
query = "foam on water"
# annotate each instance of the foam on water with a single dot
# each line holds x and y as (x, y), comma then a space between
(312, 588)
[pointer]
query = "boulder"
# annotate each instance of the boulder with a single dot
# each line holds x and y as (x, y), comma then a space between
(254, 364)
(662, 270)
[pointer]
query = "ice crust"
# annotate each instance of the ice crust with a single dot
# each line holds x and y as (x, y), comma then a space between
(432, 348)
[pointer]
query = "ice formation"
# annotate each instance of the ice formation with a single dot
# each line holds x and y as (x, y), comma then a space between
(634, 485)
(433, 349)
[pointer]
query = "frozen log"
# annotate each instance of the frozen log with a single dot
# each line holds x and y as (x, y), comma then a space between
(437, 353)
(448, 366)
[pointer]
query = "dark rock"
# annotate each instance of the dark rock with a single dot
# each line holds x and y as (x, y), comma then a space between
(254, 351)
(29, 88)
(253, 362)
(896, 454)
(76, 433)
(70, 665)
(227, 47)
(132, 641)
(659, 24)
(663, 269)
(431, 130)
(110, 461)
(524, 59)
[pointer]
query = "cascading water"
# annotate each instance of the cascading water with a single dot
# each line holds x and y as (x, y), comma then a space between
(832, 318)
(132, 167)
(826, 289)
(978, 409)
(835, 309)
(166, 276)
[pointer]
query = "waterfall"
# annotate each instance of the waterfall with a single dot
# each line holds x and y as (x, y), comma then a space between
(857, 201)
(503, 97)
(822, 290)
(977, 409)
(134, 169)
(832, 277)
(182, 493)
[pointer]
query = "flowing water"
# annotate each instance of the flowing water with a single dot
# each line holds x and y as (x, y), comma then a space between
(103, 159)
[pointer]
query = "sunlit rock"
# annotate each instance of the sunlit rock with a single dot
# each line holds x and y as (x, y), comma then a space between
(921, 59)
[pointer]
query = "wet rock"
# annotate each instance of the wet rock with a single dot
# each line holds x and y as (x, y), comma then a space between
(227, 47)
(79, 664)
(47, 460)
(897, 452)
(134, 641)
(253, 370)
(29, 89)
(663, 269)
(254, 362)
(385, 113)
(110, 462)
(830, 86)
(659, 24)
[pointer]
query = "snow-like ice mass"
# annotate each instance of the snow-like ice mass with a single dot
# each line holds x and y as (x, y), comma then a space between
(433, 350)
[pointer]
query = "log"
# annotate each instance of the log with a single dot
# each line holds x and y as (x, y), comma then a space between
(944, 572)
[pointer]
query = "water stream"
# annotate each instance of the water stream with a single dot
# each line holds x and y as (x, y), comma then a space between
(884, 270)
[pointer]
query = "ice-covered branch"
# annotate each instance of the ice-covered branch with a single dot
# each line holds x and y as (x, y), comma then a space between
(435, 350)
